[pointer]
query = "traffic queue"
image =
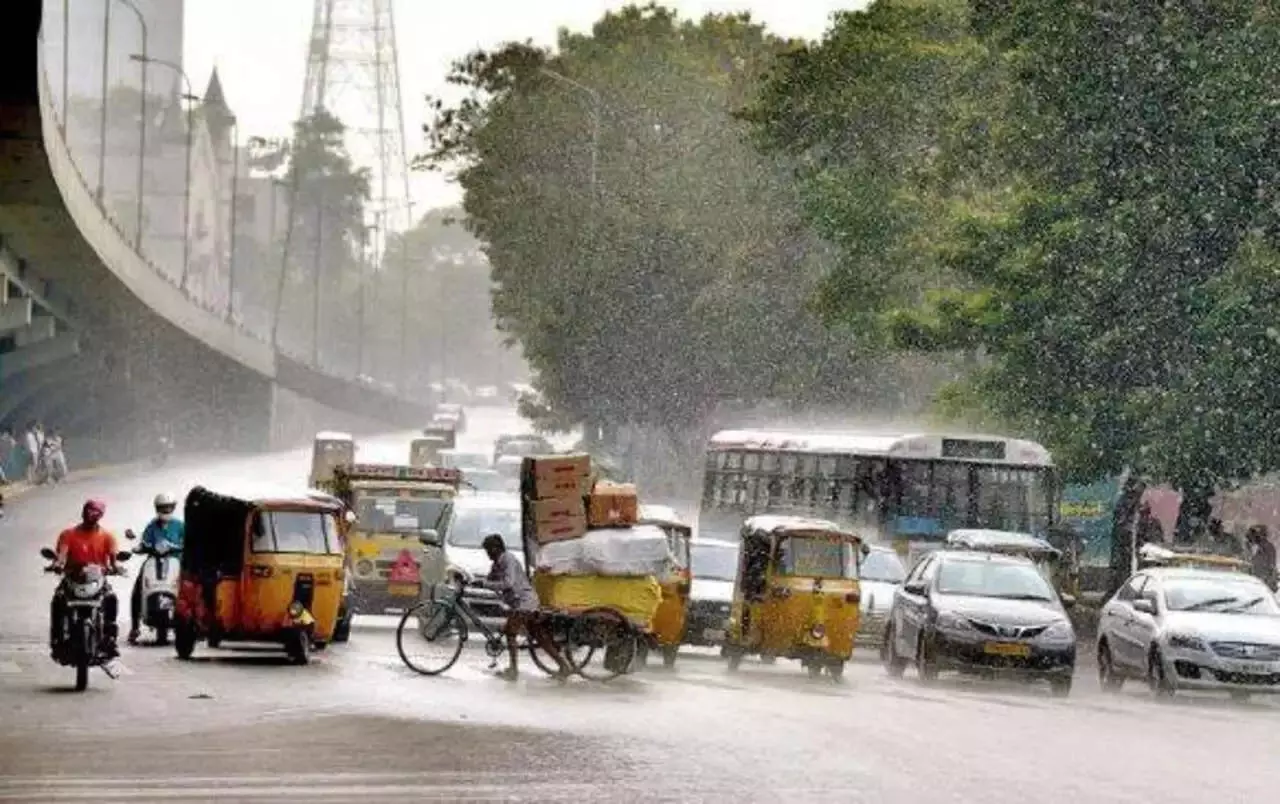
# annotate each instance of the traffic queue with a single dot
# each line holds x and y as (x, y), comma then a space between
(594, 581)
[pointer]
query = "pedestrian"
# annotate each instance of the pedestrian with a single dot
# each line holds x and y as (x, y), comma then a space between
(57, 468)
(1263, 561)
(7, 448)
(31, 447)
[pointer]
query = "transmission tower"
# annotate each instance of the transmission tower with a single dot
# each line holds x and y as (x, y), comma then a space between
(353, 73)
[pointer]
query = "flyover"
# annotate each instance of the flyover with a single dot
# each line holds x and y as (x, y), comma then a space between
(99, 341)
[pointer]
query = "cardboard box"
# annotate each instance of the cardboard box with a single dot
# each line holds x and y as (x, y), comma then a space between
(556, 519)
(556, 476)
(612, 505)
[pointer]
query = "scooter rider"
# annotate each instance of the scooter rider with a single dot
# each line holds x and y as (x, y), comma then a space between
(164, 528)
(79, 546)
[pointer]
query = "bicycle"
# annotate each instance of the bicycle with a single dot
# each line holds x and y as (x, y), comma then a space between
(578, 636)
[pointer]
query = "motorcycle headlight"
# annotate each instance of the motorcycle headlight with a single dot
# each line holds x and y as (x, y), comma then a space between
(953, 622)
(1187, 642)
(1058, 632)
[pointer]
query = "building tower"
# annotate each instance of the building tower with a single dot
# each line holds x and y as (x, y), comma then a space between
(353, 73)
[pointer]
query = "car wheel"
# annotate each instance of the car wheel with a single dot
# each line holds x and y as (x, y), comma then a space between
(1160, 683)
(926, 662)
(894, 664)
(1108, 678)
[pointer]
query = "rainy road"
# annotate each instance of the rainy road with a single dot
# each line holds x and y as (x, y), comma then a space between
(242, 725)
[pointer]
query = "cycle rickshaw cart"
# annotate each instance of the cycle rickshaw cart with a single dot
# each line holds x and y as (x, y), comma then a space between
(597, 622)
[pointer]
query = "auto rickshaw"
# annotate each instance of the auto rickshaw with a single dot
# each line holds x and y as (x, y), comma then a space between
(330, 451)
(1048, 559)
(262, 567)
(796, 594)
(426, 451)
(669, 621)
(1154, 555)
(446, 433)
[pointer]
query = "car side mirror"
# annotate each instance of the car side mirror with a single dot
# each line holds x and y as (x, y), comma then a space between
(1144, 606)
(429, 537)
(48, 553)
(1068, 601)
(129, 534)
(123, 556)
(915, 588)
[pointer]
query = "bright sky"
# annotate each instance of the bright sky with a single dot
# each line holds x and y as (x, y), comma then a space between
(259, 47)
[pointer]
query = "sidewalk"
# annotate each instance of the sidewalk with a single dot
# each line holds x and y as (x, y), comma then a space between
(16, 490)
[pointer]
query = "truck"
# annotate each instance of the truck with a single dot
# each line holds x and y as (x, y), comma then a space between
(395, 545)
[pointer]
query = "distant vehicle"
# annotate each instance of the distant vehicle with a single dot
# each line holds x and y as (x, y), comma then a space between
(879, 575)
(714, 565)
(450, 418)
(509, 467)
(977, 612)
(464, 459)
(485, 481)
(521, 445)
(475, 517)
(487, 394)
(1191, 629)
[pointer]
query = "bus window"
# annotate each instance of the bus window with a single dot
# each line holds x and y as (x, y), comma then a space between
(916, 485)
(952, 493)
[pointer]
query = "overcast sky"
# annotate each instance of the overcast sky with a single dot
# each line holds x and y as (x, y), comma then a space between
(259, 47)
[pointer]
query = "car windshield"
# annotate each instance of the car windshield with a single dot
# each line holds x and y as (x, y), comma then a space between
(714, 562)
(1222, 596)
(883, 566)
(385, 511)
(993, 579)
(471, 525)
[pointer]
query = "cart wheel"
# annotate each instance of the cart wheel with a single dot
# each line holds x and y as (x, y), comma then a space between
(606, 631)
(560, 637)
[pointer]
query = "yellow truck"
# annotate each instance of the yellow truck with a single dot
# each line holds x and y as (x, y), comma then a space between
(395, 546)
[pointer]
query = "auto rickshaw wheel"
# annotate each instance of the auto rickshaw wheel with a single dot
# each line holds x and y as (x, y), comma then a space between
(297, 643)
(836, 669)
(815, 668)
(184, 639)
(768, 658)
(735, 658)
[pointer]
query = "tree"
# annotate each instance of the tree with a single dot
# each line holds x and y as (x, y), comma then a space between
(681, 277)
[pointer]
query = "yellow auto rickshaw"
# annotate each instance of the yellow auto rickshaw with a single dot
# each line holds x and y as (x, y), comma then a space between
(669, 621)
(262, 567)
(1049, 560)
(1154, 555)
(330, 451)
(796, 594)
(426, 451)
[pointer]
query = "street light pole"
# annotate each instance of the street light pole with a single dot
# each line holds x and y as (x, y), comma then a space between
(186, 196)
(142, 126)
(235, 197)
(596, 107)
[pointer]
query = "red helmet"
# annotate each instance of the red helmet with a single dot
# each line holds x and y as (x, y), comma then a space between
(94, 507)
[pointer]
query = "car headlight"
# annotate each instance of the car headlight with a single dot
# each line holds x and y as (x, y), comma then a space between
(953, 622)
(1187, 642)
(1058, 632)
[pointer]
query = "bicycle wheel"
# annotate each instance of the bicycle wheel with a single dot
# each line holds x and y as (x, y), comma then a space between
(607, 632)
(435, 628)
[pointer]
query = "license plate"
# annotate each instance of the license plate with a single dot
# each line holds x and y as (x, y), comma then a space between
(402, 589)
(1254, 668)
(713, 634)
(1006, 649)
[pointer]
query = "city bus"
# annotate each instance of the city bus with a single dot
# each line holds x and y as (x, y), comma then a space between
(905, 490)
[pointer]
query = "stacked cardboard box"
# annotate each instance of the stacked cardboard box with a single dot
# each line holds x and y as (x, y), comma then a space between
(552, 491)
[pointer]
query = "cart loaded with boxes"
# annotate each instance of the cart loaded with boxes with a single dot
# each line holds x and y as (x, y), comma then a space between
(590, 561)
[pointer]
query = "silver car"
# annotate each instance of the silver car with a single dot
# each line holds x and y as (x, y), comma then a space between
(1191, 629)
(879, 575)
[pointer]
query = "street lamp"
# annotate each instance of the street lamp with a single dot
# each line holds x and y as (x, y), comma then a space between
(596, 105)
(186, 196)
(142, 125)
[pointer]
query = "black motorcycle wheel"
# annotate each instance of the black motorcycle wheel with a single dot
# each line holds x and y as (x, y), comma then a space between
(83, 655)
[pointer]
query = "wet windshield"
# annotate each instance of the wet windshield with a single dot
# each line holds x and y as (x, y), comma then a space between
(993, 579)
(715, 562)
(388, 512)
(295, 532)
(1225, 596)
(882, 565)
(814, 558)
(471, 525)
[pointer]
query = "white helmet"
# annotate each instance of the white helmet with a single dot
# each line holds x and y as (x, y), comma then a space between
(165, 501)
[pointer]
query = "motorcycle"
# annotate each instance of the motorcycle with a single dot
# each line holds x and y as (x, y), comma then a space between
(159, 575)
(78, 641)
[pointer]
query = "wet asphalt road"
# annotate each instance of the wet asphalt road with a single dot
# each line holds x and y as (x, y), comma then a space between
(243, 725)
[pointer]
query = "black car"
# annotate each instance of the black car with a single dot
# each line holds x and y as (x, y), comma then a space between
(980, 613)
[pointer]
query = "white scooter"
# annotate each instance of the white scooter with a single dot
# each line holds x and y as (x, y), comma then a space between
(159, 575)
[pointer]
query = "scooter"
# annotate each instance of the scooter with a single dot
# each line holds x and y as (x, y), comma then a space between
(159, 574)
(78, 638)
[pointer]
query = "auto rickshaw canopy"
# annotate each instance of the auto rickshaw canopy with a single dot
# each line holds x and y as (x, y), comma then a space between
(1003, 541)
(1155, 555)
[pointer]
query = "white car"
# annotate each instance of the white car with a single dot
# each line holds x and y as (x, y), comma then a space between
(880, 573)
(474, 518)
(715, 565)
(1191, 629)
